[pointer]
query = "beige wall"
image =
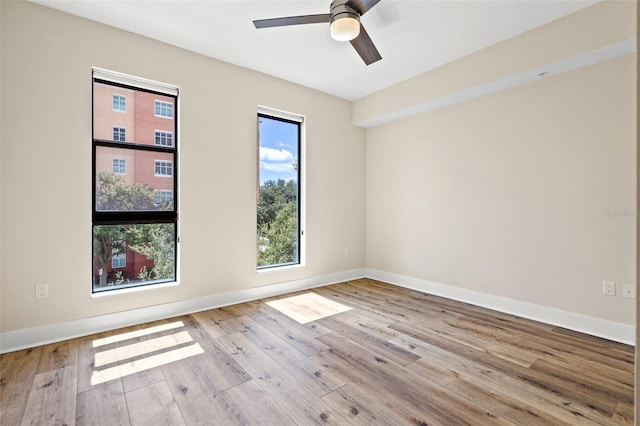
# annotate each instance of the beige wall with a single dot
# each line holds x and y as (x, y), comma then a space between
(46, 168)
(508, 194)
(637, 382)
(556, 41)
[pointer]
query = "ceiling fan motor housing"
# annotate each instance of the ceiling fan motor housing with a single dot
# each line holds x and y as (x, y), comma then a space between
(347, 29)
(339, 8)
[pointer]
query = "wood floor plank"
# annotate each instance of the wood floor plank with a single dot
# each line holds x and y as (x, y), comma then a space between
(52, 399)
(153, 405)
(17, 371)
(369, 341)
(529, 397)
(194, 387)
(300, 336)
(209, 324)
(87, 352)
(569, 391)
(102, 406)
(317, 378)
(216, 363)
(302, 405)
(398, 356)
(414, 389)
(58, 355)
(250, 404)
(624, 414)
(361, 407)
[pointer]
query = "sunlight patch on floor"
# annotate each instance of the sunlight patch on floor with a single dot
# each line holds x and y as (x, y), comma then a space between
(147, 363)
(307, 307)
(140, 350)
(137, 333)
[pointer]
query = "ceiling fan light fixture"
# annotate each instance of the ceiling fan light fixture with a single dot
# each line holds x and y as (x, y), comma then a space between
(345, 23)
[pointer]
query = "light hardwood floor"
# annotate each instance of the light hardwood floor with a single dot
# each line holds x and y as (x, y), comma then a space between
(395, 357)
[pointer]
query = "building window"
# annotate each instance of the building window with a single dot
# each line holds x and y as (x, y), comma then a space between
(163, 168)
(133, 214)
(119, 103)
(119, 166)
(164, 198)
(119, 260)
(164, 138)
(163, 109)
(279, 207)
(119, 134)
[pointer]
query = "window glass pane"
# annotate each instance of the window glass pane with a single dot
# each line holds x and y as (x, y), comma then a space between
(119, 166)
(163, 109)
(136, 112)
(134, 168)
(127, 179)
(278, 201)
(164, 138)
(142, 253)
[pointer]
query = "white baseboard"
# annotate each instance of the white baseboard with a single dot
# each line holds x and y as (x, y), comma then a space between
(29, 338)
(585, 324)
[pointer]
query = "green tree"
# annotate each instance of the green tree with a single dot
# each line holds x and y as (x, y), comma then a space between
(277, 240)
(108, 240)
(156, 241)
(274, 195)
(113, 194)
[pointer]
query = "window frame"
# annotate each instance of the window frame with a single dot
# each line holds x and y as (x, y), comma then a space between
(121, 161)
(161, 163)
(157, 102)
(121, 256)
(167, 134)
(99, 218)
(121, 132)
(299, 120)
(124, 103)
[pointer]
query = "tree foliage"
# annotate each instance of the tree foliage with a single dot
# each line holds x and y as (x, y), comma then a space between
(273, 198)
(155, 241)
(108, 240)
(277, 223)
(113, 194)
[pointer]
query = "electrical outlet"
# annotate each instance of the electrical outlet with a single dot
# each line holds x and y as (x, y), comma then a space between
(42, 291)
(609, 288)
(346, 251)
(629, 291)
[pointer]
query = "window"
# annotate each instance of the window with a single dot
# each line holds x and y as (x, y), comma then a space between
(163, 197)
(119, 260)
(279, 229)
(164, 138)
(164, 109)
(119, 166)
(163, 168)
(119, 134)
(134, 212)
(119, 103)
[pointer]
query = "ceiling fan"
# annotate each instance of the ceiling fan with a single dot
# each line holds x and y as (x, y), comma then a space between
(344, 20)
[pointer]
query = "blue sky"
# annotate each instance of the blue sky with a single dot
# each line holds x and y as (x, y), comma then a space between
(278, 149)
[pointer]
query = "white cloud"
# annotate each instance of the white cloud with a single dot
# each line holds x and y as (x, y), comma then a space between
(275, 155)
(276, 167)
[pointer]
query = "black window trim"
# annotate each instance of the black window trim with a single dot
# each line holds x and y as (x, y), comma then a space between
(134, 217)
(265, 113)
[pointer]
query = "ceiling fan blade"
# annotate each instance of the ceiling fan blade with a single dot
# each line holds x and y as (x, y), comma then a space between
(362, 6)
(365, 47)
(292, 20)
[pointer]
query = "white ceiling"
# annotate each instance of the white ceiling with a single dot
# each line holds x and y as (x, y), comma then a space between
(412, 36)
